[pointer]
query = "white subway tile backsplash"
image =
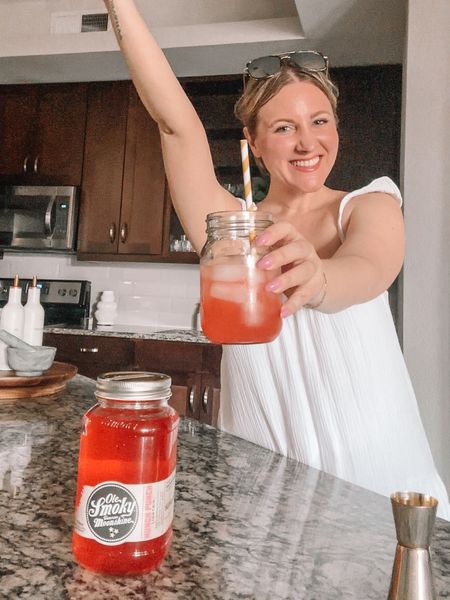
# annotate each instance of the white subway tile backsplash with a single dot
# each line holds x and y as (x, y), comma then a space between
(138, 317)
(35, 264)
(5, 267)
(147, 294)
(183, 305)
(145, 273)
(132, 303)
(123, 288)
(171, 320)
(167, 289)
(193, 290)
(183, 273)
(90, 271)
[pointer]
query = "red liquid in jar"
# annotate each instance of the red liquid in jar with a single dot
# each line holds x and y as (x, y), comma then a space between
(110, 443)
(235, 306)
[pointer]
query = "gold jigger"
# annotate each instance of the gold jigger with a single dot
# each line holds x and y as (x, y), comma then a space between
(414, 517)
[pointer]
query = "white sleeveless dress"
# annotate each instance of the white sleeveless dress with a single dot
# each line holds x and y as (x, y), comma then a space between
(333, 392)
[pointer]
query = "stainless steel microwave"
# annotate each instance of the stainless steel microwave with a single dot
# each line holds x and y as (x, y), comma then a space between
(38, 218)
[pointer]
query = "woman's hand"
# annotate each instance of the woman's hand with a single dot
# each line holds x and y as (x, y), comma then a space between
(302, 276)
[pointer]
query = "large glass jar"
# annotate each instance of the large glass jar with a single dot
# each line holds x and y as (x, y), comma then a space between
(126, 475)
(235, 306)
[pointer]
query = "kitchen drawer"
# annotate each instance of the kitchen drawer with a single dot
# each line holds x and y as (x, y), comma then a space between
(93, 354)
(183, 362)
(195, 392)
(168, 357)
(194, 368)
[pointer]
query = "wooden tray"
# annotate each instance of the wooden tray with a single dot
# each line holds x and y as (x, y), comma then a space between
(50, 382)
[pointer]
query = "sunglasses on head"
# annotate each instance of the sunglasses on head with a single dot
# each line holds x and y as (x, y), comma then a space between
(265, 67)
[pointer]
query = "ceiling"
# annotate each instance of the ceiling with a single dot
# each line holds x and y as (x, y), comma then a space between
(199, 37)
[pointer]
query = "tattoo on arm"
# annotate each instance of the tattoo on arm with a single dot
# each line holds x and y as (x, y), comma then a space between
(114, 18)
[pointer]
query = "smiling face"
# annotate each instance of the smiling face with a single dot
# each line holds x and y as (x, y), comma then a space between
(296, 137)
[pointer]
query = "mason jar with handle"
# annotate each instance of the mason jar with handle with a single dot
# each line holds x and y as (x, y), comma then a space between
(235, 307)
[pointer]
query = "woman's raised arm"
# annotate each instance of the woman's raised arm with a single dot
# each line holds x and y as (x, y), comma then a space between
(189, 168)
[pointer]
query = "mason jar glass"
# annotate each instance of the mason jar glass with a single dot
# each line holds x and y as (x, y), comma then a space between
(126, 475)
(235, 307)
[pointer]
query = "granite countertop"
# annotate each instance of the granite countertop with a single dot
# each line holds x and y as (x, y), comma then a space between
(134, 332)
(249, 524)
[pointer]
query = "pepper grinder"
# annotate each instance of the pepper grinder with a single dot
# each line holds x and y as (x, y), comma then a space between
(414, 517)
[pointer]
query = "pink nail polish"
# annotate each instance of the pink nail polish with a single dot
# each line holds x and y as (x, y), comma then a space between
(272, 286)
(264, 263)
(262, 240)
(285, 312)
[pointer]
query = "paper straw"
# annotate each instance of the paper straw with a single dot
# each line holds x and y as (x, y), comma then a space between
(246, 173)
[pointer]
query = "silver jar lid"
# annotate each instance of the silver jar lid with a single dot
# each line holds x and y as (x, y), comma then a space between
(133, 385)
(238, 218)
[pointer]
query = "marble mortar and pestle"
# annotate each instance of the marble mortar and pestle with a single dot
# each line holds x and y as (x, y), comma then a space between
(24, 359)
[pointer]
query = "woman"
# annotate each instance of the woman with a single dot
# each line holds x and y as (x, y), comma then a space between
(332, 390)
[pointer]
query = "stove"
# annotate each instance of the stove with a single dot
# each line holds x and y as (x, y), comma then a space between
(66, 302)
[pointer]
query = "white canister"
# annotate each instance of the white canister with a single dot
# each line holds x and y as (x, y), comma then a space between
(106, 313)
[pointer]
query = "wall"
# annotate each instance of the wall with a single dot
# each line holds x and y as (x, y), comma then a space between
(147, 294)
(198, 37)
(426, 177)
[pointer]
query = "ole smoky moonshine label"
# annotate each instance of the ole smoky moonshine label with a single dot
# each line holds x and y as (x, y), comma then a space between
(113, 513)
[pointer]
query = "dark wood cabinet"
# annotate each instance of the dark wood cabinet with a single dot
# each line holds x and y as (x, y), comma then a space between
(173, 231)
(369, 110)
(193, 367)
(214, 98)
(209, 399)
(101, 192)
(42, 131)
(18, 106)
(182, 361)
(195, 372)
(144, 184)
(123, 190)
(93, 354)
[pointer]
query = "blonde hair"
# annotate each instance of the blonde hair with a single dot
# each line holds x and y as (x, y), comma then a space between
(258, 92)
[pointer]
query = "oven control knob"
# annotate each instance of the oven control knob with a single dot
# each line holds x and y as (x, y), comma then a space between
(62, 291)
(73, 292)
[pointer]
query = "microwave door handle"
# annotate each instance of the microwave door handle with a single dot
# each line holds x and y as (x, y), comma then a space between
(48, 217)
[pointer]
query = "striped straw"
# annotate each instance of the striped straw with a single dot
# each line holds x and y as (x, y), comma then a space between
(246, 173)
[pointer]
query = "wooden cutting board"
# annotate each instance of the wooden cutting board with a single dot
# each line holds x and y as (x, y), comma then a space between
(50, 382)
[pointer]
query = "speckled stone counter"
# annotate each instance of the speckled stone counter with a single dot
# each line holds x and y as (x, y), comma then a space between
(135, 332)
(249, 524)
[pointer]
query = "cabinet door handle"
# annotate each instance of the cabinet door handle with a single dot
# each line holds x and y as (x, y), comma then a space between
(205, 398)
(92, 350)
(124, 233)
(191, 399)
(36, 164)
(112, 232)
(25, 164)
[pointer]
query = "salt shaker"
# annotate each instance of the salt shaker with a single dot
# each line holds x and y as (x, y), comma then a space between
(106, 312)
